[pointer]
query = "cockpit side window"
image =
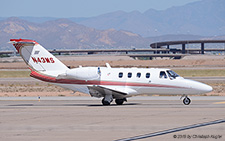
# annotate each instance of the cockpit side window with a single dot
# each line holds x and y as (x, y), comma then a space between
(172, 74)
(163, 75)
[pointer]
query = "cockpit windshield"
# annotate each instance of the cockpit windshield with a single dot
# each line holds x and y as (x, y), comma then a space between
(172, 74)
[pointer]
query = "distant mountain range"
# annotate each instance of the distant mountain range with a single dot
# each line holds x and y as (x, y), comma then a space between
(205, 18)
(198, 20)
(65, 34)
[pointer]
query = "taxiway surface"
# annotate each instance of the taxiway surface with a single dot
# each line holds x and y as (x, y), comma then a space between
(84, 118)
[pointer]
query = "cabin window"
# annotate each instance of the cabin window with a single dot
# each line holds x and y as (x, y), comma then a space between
(138, 75)
(147, 75)
(129, 75)
(120, 75)
(162, 75)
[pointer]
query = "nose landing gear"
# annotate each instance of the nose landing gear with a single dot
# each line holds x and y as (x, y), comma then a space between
(186, 100)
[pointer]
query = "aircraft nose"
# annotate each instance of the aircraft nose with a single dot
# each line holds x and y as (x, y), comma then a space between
(199, 87)
(206, 88)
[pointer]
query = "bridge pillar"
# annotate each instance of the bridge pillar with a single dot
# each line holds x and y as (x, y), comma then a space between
(183, 49)
(202, 48)
(168, 47)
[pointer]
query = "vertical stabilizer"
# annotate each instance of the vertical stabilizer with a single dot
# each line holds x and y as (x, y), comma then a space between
(37, 57)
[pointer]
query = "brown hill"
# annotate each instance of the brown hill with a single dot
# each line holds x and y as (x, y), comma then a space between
(65, 34)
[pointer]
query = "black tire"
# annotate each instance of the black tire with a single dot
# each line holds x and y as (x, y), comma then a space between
(119, 101)
(105, 103)
(186, 101)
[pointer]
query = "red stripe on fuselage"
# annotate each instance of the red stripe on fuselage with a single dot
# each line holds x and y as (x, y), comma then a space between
(42, 77)
(93, 82)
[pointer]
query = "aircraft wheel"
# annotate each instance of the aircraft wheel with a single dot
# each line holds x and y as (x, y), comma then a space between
(186, 101)
(104, 102)
(119, 101)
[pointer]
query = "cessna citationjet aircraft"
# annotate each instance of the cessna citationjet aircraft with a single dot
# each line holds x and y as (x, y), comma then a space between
(109, 83)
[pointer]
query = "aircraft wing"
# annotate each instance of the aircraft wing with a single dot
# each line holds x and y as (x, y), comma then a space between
(117, 92)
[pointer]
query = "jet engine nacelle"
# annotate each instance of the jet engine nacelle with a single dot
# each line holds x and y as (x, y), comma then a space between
(86, 73)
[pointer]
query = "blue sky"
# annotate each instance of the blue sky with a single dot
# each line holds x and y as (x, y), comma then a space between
(80, 8)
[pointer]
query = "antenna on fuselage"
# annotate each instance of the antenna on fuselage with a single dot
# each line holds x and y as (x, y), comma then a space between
(107, 65)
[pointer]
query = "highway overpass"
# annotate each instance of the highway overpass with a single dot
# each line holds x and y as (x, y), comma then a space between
(167, 44)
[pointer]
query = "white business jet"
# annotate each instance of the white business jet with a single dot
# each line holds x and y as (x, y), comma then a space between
(109, 83)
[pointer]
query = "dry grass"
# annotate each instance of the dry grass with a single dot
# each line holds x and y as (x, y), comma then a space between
(200, 72)
(20, 87)
(8, 74)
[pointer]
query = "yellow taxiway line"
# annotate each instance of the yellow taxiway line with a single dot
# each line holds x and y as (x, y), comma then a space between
(223, 102)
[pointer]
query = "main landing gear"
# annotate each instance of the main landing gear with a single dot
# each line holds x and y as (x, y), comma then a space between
(120, 101)
(186, 100)
(107, 99)
(106, 102)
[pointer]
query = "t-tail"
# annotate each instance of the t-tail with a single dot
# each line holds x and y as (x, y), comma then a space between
(37, 57)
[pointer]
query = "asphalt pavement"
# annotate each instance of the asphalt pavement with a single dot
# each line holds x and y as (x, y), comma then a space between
(84, 118)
